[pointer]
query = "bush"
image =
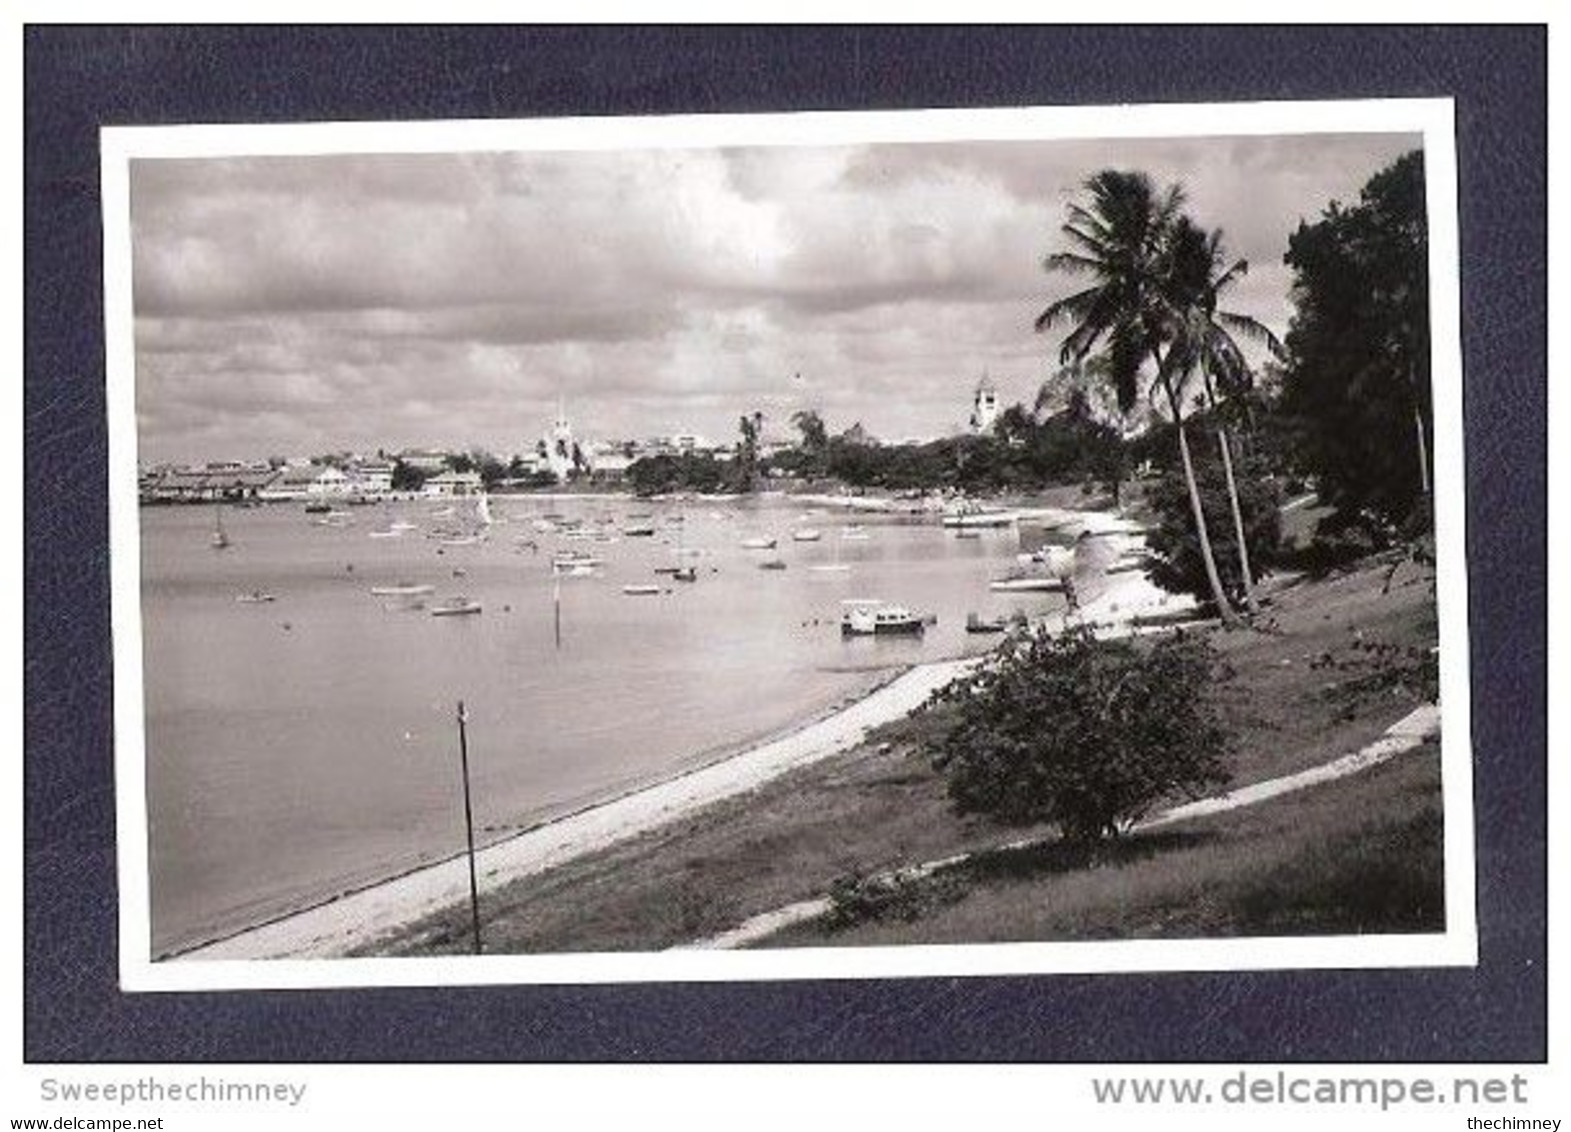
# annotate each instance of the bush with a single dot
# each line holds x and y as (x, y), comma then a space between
(1176, 564)
(1081, 733)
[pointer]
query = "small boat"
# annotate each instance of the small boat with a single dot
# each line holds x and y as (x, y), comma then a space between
(640, 590)
(759, 543)
(255, 597)
(576, 558)
(455, 607)
(973, 516)
(644, 530)
(402, 589)
(831, 568)
(975, 623)
(807, 534)
(573, 570)
(318, 507)
(460, 540)
(869, 618)
(773, 564)
(968, 533)
(1027, 583)
(402, 525)
(385, 534)
(685, 574)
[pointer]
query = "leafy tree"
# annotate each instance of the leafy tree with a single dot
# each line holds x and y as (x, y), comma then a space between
(407, 477)
(1085, 734)
(751, 428)
(1357, 380)
(491, 469)
(815, 437)
(1176, 563)
(1123, 240)
(461, 462)
(657, 475)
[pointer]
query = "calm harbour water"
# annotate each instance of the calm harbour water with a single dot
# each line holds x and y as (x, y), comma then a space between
(308, 744)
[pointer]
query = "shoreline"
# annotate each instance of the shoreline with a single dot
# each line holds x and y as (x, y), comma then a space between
(360, 916)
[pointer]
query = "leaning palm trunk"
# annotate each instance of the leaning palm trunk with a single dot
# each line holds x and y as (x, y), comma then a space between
(1233, 502)
(1423, 453)
(1224, 610)
(1418, 430)
(1238, 520)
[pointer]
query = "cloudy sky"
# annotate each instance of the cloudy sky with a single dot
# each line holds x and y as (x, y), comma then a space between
(292, 305)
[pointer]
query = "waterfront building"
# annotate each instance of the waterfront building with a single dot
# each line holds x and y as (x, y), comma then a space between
(194, 485)
(374, 477)
(453, 483)
(308, 481)
(428, 460)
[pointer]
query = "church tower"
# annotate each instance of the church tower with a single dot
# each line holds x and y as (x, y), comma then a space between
(984, 405)
(559, 443)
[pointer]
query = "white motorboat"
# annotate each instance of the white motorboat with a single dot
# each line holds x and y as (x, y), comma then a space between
(807, 534)
(974, 516)
(759, 543)
(402, 589)
(640, 590)
(456, 607)
(868, 617)
(1027, 583)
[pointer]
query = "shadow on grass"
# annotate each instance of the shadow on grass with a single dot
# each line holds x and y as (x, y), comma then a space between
(1394, 883)
(856, 899)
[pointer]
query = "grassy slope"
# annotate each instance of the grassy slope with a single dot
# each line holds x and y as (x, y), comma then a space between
(882, 805)
(1362, 854)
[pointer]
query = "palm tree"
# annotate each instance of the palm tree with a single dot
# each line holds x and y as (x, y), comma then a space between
(1208, 344)
(1123, 240)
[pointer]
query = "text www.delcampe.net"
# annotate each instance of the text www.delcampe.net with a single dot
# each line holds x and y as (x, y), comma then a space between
(1283, 1088)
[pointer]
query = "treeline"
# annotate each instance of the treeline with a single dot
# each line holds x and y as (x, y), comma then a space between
(1026, 451)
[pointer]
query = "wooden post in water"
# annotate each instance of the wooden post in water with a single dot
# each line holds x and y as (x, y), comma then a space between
(556, 599)
(469, 823)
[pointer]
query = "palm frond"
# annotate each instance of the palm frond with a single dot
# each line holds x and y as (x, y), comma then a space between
(1076, 307)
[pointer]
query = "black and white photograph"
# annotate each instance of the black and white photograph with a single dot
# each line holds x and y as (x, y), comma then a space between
(846, 543)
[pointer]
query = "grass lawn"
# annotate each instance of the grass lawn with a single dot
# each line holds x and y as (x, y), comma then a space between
(1332, 664)
(1363, 854)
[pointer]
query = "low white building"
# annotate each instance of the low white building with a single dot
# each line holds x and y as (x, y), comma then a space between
(453, 483)
(309, 481)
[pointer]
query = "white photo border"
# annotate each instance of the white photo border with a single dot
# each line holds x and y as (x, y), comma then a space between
(1433, 119)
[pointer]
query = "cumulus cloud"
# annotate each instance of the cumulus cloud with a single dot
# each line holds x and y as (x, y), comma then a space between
(295, 304)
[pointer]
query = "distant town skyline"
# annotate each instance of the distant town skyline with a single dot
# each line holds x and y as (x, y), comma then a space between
(292, 305)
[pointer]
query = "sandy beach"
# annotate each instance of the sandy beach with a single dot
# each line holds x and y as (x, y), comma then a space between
(357, 919)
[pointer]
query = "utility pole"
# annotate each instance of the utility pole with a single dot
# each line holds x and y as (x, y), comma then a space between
(469, 823)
